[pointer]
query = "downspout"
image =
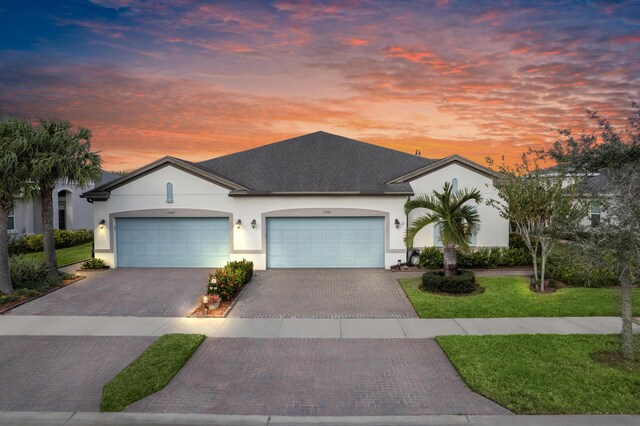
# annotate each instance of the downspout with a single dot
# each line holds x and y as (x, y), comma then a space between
(406, 231)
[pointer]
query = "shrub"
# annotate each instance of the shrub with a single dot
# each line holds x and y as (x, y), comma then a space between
(28, 273)
(483, 257)
(516, 241)
(463, 283)
(572, 270)
(431, 258)
(63, 238)
(515, 256)
(17, 294)
(229, 280)
(94, 263)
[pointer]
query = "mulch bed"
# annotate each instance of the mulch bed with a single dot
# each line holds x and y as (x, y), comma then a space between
(24, 299)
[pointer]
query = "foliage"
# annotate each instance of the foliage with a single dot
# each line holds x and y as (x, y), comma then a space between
(484, 257)
(17, 294)
(512, 297)
(614, 156)
(60, 153)
(15, 144)
(94, 263)
(27, 272)
(545, 374)
(462, 283)
(63, 238)
(516, 241)
(456, 220)
(572, 269)
(229, 280)
(151, 371)
(431, 258)
(541, 205)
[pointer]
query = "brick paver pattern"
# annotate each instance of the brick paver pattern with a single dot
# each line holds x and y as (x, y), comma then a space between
(56, 373)
(324, 293)
(140, 292)
(318, 377)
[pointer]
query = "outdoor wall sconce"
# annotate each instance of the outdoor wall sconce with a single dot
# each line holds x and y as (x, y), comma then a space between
(238, 224)
(397, 222)
(253, 224)
(101, 223)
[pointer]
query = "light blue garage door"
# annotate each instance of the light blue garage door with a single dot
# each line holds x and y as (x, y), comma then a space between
(172, 242)
(325, 242)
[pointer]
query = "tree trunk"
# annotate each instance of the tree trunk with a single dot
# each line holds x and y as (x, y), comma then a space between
(628, 349)
(5, 274)
(450, 260)
(48, 240)
(543, 256)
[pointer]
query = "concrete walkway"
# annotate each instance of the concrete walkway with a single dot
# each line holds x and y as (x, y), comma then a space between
(83, 418)
(33, 325)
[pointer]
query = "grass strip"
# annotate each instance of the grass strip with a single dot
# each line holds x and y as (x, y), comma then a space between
(511, 297)
(546, 374)
(66, 255)
(151, 371)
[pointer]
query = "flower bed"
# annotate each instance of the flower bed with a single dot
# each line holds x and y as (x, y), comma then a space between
(22, 296)
(226, 283)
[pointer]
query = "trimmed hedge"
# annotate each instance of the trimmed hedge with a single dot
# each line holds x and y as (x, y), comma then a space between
(463, 283)
(229, 280)
(574, 271)
(484, 257)
(63, 238)
(94, 263)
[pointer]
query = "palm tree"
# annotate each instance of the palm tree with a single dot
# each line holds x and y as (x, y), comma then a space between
(456, 221)
(60, 153)
(15, 138)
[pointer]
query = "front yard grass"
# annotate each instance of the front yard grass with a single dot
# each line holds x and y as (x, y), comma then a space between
(151, 372)
(546, 374)
(511, 297)
(68, 255)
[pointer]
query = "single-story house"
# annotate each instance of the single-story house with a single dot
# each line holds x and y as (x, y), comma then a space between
(318, 200)
(70, 211)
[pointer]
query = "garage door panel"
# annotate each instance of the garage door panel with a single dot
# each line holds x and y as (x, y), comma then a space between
(314, 242)
(172, 242)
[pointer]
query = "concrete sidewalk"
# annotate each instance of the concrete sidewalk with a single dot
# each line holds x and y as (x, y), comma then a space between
(70, 418)
(32, 325)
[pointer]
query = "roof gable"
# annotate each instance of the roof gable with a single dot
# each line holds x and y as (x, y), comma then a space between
(103, 192)
(436, 165)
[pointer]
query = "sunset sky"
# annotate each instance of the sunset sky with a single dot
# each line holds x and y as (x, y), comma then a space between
(202, 79)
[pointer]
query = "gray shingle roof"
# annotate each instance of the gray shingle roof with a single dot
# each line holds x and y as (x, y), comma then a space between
(317, 162)
(106, 177)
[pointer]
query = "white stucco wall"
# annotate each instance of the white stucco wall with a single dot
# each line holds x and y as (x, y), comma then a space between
(191, 192)
(494, 230)
(194, 196)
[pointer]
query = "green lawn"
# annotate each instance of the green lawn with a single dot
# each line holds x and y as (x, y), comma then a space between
(67, 255)
(511, 297)
(151, 372)
(546, 374)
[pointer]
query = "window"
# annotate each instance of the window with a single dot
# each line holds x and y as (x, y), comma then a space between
(454, 186)
(169, 192)
(437, 242)
(596, 210)
(11, 224)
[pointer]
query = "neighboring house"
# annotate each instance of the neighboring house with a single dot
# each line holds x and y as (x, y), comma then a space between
(70, 212)
(317, 200)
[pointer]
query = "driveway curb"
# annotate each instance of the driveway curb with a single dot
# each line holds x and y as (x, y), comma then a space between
(85, 418)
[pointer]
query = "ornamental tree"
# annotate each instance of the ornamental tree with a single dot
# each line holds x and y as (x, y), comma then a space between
(542, 206)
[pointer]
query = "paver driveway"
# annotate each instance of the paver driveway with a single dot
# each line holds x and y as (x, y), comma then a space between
(55, 373)
(318, 377)
(141, 292)
(324, 293)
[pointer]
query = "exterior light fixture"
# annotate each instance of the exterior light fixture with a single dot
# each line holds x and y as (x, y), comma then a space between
(101, 223)
(238, 224)
(397, 222)
(205, 303)
(205, 299)
(399, 263)
(253, 224)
